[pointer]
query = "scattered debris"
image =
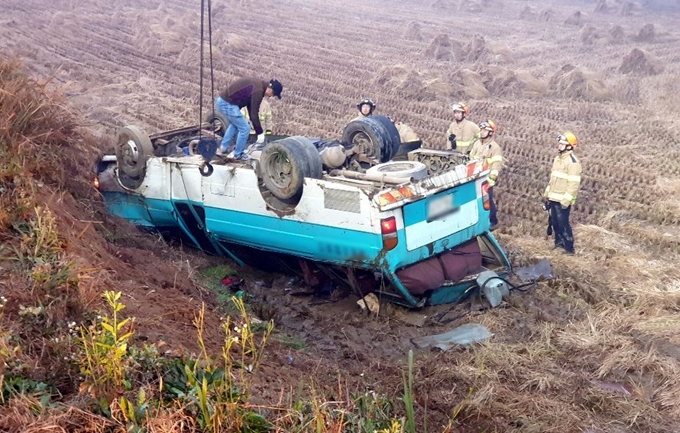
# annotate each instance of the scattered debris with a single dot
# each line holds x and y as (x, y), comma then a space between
(493, 287)
(463, 335)
(612, 387)
(540, 271)
(233, 283)
(371, 302)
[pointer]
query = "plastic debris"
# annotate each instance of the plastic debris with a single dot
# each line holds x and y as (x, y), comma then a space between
(371, 302)
(462, 335)
(232, 282)
(612, 387)
(493, 287)
(539, 271)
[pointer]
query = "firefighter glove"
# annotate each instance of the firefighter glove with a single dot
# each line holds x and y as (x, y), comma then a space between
(260, 138)
(452, 140)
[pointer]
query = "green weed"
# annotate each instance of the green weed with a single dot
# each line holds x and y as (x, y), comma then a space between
(105, 348)
(410, 424)
(291, 342)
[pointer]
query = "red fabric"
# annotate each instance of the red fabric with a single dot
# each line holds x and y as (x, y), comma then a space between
(229, 280)
(462, 261)
(453, 265)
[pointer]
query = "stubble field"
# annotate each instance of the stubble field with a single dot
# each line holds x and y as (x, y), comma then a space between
(597, 349)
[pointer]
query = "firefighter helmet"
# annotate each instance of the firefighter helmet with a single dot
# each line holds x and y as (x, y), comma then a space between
(366, 101)
(459, 106)
(488, 125)
(568, 139)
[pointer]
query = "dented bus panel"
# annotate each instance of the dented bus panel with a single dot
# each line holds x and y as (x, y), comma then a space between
(427, 238)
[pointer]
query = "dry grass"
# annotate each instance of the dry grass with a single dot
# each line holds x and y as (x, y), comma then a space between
(24, 414)
(575, 83)
(637, 62)
(595, 350)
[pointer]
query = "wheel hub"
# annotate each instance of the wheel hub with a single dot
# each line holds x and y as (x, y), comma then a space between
(130, 153)
(280, 169)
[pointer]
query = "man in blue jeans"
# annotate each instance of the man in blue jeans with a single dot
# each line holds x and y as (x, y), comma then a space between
(244, 92)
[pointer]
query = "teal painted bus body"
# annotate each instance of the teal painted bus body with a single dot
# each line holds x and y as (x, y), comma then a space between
(211, 227)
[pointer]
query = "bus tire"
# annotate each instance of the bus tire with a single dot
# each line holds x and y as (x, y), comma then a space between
(133, 149)
(284, 164)
(382, 144)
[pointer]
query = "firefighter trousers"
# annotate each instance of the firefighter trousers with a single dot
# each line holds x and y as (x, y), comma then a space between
(564, 237)
(493, 212)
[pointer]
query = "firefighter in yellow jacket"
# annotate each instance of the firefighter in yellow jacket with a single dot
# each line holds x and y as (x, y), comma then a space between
(487, 149)
(265, 115)
(462, 133)
(366, 108)
(561, 192)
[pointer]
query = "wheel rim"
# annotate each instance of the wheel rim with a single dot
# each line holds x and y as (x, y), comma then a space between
(435, 164)
(363, 143)
(402, 166)
(130, 153)
(218, 127)
(280, 169)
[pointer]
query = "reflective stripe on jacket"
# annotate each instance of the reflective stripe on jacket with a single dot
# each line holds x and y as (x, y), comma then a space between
(565, 179)
(467, 133)
(491, 151)
(265, 116)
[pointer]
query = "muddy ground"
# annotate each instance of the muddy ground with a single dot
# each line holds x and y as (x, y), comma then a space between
(594, 350)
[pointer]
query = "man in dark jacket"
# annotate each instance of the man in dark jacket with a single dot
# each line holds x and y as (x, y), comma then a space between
(244, 92)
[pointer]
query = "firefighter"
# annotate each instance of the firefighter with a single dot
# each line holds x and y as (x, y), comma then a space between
(406, 133)
(560, 194)
(462, 133)
(244, 92)
(366, 108)
(487, 149)
(265, 116)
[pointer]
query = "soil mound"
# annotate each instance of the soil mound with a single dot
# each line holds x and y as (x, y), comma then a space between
(627, 9)
(443, 5)
(528, 13)
(589, 35)
(443, 49)
(547, 15)
(437, 86)
(48, 191)
(408, 83)
(413, 31)
(576, 19)
(574, 83)
(477, 50)
(617, 35)
(638, 62)
(646, 34)
(602, 7)
(392, 74)
(468, 85)
(500, 81)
